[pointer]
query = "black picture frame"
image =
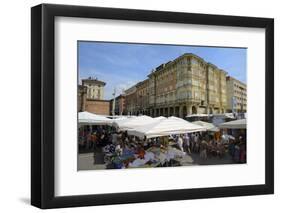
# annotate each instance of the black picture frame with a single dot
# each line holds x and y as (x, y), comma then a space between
(43, 105)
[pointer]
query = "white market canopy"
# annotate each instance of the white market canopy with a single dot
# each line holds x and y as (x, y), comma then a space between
(120, 122)
(165, 127)
(197, 115)
(229, 115)
(159, 118)
(208, 126)
(237, 124)
(88, 118)
(134, 122)
(117, 117)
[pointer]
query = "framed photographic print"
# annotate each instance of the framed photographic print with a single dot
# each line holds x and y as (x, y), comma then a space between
(140, 106)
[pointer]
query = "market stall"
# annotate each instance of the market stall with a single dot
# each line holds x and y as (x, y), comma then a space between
(87, 118)
(136, 156)
(165, 127)
(209, 126)
(135, 122)
(237, 124)
(199, 117)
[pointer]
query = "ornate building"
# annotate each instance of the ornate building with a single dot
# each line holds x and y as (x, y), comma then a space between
(186, 85)
(95, 88)
(236, 95)
(90, 97)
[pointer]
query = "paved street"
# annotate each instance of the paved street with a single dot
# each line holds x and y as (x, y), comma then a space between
(89, 161)
(194, 159)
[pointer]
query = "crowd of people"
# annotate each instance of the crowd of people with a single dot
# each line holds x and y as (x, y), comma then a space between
(205, 144)
(91, 137)
(213, 145)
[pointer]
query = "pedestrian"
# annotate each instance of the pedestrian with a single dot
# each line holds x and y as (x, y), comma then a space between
(186, 142)
(196, 143)
(166, 141)
(203, 150)
(220, 149)
(242, 152)
(114, 138)
(89, 140)
(180, 142)
(231, 147)
(94, 141)
(237, 153)
(118, 150)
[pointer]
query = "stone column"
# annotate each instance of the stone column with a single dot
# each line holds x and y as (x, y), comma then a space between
(168, 111)
(211, 110)
(173, 112)
(180, 111)
(188, 109)
(207, 110)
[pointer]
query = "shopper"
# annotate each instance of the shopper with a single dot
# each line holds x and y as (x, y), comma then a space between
(180, 142)
(186, 141)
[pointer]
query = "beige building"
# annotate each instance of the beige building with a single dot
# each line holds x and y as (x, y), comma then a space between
(236, 95)
(119, 105)
(81, 99)
(131, 100)
(137, 99)
(186, 85)
(90, 97)
(95, 88)
(142, 97)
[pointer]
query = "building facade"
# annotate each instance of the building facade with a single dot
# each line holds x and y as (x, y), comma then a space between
(236, 95)
(99, 107)
(81, 98)
(118, 108)
(95, 88)
(90, 97)
(186, 85)
(142, 97)
(131, 100)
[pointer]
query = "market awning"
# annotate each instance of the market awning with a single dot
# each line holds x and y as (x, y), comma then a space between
(165, 127)
(237, 124)
(197, 115)
(88, 118)
(208, 126)
(159, 118)
(131, 123)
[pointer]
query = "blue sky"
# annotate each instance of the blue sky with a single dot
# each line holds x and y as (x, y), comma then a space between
(121, 65)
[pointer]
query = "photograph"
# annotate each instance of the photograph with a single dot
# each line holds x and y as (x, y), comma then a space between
(160, 105)
(142, 105)
(137, 106)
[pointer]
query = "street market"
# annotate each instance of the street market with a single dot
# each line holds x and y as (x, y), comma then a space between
(143, 142)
